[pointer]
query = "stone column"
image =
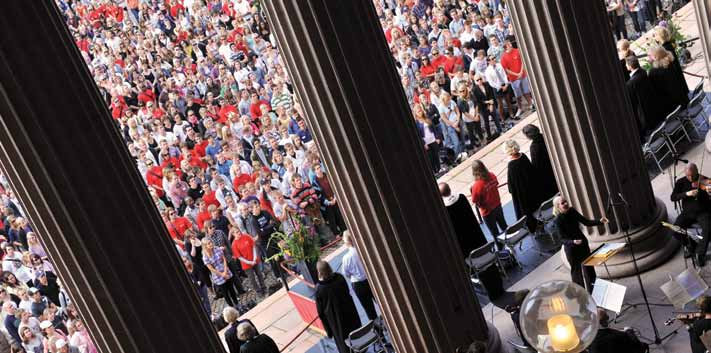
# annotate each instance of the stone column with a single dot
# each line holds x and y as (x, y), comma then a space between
(592, 138)
(345, 76)
(703, 20)
(64, 156)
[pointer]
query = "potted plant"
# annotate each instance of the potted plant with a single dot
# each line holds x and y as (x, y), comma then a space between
(298, 245)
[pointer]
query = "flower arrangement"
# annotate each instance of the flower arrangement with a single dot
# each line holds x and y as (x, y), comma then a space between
(300, 244)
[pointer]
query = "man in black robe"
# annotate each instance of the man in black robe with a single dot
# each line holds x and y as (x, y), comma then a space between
(470, 236)
(335, 306)
(643, 97)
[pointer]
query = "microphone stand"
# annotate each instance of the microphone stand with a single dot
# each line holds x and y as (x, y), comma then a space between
(623, 202)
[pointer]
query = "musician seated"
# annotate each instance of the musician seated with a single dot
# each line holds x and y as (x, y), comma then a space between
(699, 325)
(612, 340)
(694, 209)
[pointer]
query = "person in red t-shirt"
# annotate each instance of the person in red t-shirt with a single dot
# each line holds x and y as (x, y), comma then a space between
(177, 227)
(244, 249)
(513, 64)
(485, 195)
(203, 214)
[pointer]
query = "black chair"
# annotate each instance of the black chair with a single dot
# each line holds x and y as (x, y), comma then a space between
(695, 92)
(656, 143)
(675, 126)
(360, 340)
(480, 259)
(544, 215)
(514, 235)
(693, 110)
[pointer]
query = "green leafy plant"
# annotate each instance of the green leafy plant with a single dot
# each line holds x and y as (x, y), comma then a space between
(300, 245)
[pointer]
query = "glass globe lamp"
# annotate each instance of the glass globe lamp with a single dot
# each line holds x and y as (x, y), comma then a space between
(559, 316)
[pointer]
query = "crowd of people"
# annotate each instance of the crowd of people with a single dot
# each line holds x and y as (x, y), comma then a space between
(37, 314)
(201, 96)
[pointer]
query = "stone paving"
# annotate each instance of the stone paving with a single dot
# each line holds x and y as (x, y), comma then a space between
(277, 317)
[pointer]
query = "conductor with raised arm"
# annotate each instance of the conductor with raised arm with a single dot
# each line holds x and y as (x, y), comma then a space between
(694, 209)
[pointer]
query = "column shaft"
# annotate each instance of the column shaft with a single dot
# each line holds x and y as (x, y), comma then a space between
(345, 76)
(63, 155)
(703, 20)
(588, 125)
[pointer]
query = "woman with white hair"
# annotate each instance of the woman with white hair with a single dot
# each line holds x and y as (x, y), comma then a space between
(670, 84)
(575, 244)
(523, 182)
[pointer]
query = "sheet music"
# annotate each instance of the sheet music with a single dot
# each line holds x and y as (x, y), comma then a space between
(676, 294)
(609, 247)
(694, 285)
(609, 295)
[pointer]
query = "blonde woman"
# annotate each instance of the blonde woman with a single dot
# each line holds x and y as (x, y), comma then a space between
(575, 244)
(664, 38)
(523, 183)
(624, 51)
(428, 133)
(670, 85)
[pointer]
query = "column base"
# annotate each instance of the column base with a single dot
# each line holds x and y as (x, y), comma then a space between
(494, 345)
(653, 245)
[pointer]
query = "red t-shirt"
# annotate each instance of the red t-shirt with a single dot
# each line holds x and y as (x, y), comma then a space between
(201, 218)
(244, 247)
(427, 70)
(512, 61)
(178, 227)
(255, 108)
(485, 194)
(210, 199)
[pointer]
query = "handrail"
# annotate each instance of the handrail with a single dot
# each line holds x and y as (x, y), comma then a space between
(299, 334)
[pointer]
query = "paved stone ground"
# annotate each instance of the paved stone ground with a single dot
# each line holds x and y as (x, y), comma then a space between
(277, 317)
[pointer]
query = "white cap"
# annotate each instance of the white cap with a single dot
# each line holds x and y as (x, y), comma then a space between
(60, 343)
(45, 324)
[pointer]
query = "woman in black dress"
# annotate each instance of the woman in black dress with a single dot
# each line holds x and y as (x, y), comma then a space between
(524, 184)
(667, 81)
(575, 244)
(663, 37)
(541, 162)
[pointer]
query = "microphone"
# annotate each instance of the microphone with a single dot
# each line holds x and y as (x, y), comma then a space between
(686, 161)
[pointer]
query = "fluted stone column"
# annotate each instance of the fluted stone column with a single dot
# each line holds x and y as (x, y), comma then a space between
(345, 76)
(703, 20)
(64, 156)
(592, 138)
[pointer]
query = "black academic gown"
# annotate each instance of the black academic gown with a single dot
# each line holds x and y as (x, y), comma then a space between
(677, 67)
(470, 237)
(336, 309)
(645, 102)
(524, 187)
(542, 162)
(466, 227)
(670, 88)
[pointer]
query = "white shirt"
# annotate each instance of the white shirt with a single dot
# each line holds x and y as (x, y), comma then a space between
(352, 266)
(496, 76)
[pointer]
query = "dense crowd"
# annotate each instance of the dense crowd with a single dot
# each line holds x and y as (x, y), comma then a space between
(201, 96)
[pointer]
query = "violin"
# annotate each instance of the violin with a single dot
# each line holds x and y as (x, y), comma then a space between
(687, 317)
(702, 184)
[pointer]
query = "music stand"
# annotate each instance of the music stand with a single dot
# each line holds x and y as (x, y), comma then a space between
(686, 243)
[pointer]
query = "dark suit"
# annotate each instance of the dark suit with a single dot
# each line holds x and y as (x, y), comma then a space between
(645, 102)
(611, 340)
(480, 96)
(234, 344)
(260, 344)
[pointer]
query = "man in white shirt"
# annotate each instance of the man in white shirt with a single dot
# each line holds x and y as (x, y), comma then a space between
(495, 75)
(355, 273)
